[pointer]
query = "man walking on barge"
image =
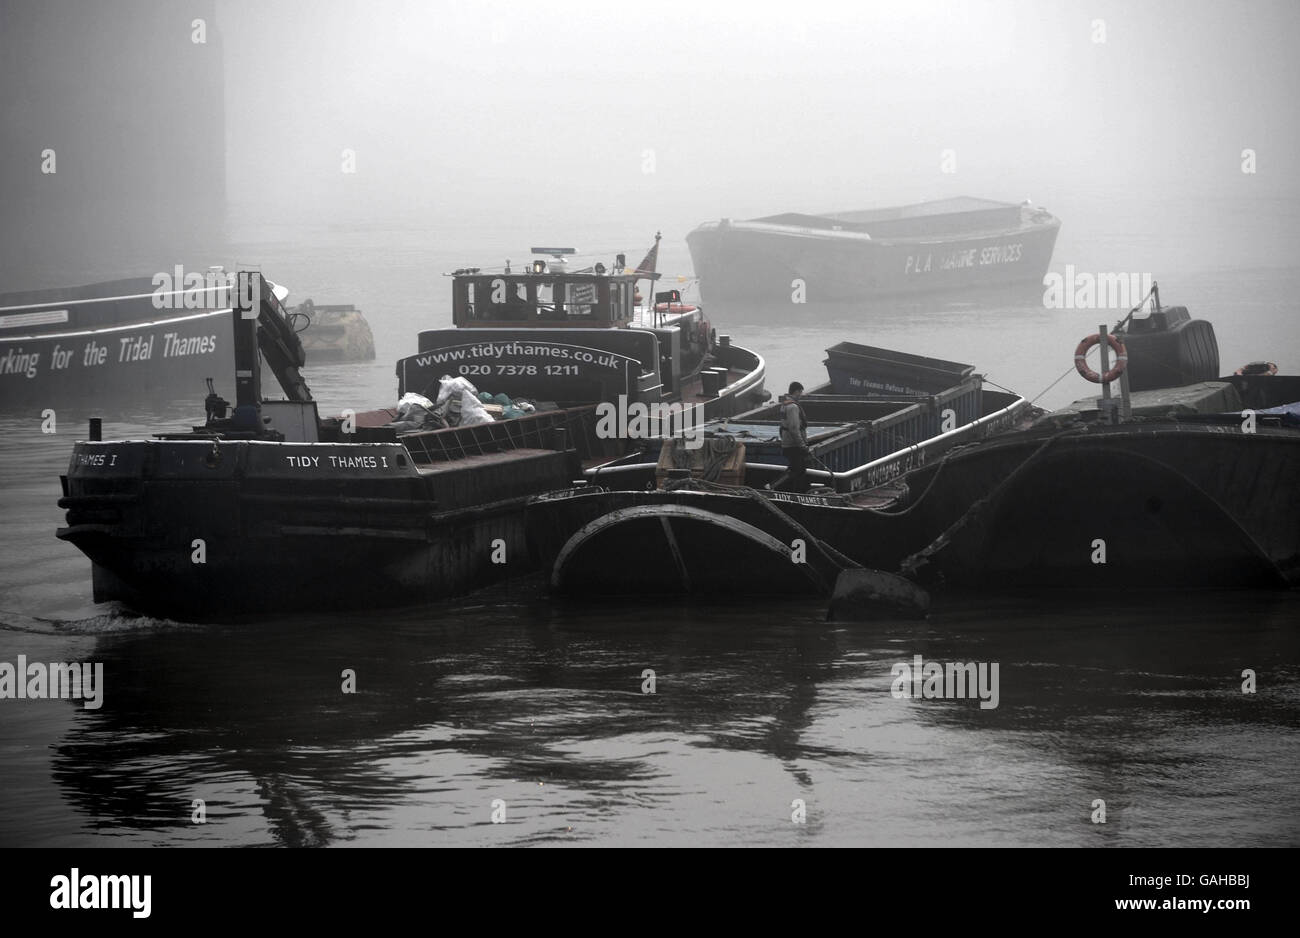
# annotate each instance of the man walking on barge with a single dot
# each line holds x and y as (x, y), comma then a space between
(794, 438)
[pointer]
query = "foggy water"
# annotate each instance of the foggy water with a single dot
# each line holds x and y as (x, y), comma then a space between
(513, 696)
(540, 705)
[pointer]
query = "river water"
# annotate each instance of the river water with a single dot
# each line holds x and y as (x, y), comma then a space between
(659, 722)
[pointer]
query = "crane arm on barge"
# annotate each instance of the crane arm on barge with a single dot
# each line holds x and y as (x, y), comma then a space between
(262, 331)
(263, 325)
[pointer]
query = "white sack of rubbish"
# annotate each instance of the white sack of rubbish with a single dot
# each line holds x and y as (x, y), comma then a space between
(447, 386)
(472, 411)
(458, 403)
(409, 400)
(416, 412)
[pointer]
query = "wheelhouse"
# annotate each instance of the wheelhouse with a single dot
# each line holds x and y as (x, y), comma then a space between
(540, 298)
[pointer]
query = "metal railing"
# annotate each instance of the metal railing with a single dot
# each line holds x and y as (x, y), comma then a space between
(886, 468)
(880, 471)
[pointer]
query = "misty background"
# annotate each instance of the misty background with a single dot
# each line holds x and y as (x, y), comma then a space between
(465, 112)
(661, 116)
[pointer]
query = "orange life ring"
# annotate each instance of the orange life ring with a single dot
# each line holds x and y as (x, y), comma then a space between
(674, 308)
(1081, 359)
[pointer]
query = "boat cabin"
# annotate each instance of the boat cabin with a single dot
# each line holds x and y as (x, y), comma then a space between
(549, 333)
(542, 299)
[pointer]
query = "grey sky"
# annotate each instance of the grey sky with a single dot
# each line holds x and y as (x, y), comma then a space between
(750, 108)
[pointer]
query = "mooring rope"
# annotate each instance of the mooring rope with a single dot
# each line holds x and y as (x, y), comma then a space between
(913, 562)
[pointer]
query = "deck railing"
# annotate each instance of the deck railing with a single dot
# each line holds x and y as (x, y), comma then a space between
(899, 462)
(870, 474)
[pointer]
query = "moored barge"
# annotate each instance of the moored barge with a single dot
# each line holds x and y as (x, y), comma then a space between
(719, 523)
(950, 244)
(140, 341)
(1173, 477)
(271, 507)
(1191, 482)
(125, 341)
(1198, 487)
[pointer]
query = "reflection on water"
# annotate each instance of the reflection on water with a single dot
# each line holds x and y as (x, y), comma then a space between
(514, 697)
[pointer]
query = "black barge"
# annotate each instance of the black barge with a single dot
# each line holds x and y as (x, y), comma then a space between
(270, 507)
(716, 521)
(1193, 481)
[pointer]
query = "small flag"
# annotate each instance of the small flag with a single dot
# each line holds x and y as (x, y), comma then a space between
(647, 267)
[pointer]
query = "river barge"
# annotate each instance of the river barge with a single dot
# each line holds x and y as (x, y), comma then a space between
(140, 341)
(1193, 481)
(271, 507)
(1174, 477)
(719, 523)
(137, 340)
(1198, 487)
(950, 244)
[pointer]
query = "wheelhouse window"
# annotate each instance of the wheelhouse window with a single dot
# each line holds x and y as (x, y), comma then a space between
(541, 300)
(494, 299)
(580, 300)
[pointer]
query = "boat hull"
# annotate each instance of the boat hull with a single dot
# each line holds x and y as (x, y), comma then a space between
(197, 530)
(780, 264)
(1158, 505)
(578, 365)
(1132, 507)
(688, 542)
(159, 361)
(128, 342)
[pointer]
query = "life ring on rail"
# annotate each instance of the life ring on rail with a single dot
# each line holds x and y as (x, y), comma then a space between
(674, 308)
(1081, 359)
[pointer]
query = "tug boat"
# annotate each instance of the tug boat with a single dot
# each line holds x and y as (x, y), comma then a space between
(950, 244)
(551, 333)
(267, 506)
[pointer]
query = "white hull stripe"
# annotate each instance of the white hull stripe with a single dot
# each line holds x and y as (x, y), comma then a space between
(93, 332)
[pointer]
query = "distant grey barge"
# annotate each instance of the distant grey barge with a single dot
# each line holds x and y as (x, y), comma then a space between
(950, 244)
